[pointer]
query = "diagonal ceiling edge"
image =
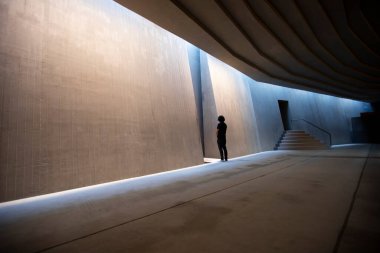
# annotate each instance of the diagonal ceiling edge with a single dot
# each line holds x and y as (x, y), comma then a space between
(327, 62)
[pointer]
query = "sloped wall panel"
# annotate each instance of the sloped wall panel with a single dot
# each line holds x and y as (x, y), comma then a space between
(90, 93)
(226, 92)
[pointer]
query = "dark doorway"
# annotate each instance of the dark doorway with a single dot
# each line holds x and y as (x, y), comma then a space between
(284, 110)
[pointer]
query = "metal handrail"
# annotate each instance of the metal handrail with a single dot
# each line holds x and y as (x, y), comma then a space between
(312, 124)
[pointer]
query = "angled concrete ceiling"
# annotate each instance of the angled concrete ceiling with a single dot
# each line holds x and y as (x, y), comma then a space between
(325, 46)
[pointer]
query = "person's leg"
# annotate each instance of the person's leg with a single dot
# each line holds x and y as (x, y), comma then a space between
(220, 150)
(225, 152)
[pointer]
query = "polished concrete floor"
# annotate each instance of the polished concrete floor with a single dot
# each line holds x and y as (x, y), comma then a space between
(277, 201)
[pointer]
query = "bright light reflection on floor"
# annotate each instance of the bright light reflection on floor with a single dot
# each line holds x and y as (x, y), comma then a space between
(211, 160)
(87, 188)
(103, 187)
(143, 180)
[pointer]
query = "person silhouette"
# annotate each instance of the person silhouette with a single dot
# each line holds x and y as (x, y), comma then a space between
(221, 130)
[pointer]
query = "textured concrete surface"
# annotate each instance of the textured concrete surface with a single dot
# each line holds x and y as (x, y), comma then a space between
(226, 93)
(89, 93)
(330, 46)
(254, 123)
(278, 201)
(330, 113)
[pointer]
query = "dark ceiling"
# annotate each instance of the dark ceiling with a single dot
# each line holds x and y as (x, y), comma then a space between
(325, 46)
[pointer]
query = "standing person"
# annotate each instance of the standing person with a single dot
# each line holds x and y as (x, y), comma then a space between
(221, 136)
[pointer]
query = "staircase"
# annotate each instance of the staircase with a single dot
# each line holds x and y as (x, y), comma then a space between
(298, 140)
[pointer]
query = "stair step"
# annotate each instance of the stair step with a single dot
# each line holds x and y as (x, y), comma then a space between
(301, 145)
(299, 140)
(301, 148)
(296, 134)
(297, 137)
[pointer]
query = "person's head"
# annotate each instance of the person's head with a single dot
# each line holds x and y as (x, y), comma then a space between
(221, 118)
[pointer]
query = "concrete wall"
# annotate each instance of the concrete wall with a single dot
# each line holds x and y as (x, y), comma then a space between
(90, 93)
(225, 92)
(254, 121)
(330, 113)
